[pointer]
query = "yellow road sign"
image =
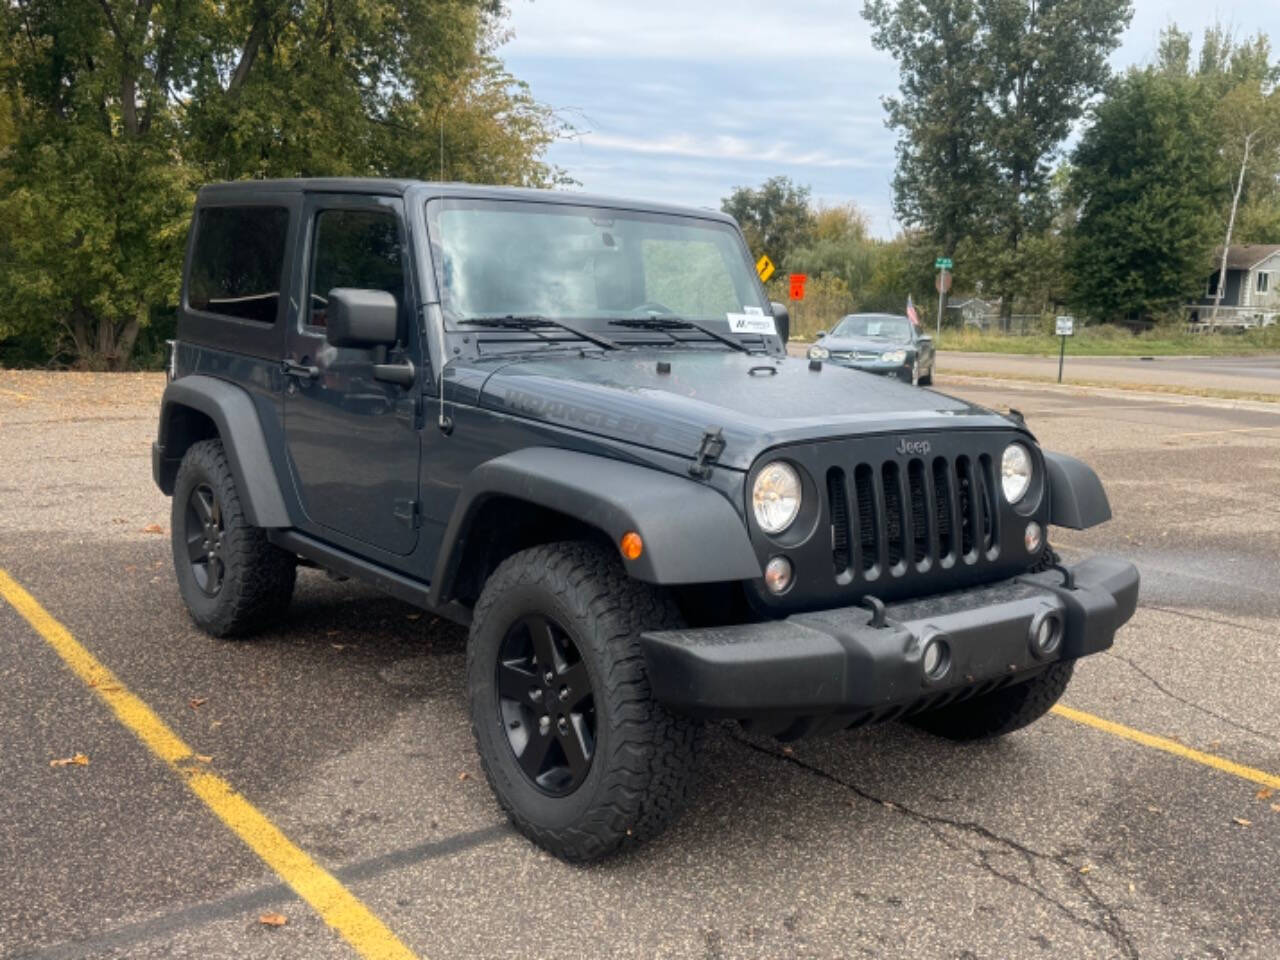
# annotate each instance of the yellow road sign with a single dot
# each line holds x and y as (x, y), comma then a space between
(765, 267)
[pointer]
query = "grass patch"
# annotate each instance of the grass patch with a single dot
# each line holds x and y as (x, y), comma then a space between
(1109, 341)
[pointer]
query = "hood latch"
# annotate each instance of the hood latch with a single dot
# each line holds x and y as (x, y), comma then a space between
(712, 446)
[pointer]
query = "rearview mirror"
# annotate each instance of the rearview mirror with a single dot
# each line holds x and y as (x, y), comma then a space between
(362, 318)
(782, 319)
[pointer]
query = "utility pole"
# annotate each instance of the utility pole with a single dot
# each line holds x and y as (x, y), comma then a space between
(1231, 223)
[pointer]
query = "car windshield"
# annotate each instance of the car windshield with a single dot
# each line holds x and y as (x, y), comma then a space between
(896, 329)
(500, 258)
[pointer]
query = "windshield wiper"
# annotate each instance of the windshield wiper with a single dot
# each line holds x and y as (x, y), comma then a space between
(679, 323)
(532, 322)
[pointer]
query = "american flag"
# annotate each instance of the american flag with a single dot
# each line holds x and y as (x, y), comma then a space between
(911, 313)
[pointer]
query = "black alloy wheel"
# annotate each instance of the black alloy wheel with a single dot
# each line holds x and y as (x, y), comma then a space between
(545, 704)
(204, 535)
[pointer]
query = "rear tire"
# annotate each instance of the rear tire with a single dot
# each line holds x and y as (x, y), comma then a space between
(231, 578)
(536, 723)
(1000, 712)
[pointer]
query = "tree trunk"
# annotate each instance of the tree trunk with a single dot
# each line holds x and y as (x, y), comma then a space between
(1231, 223)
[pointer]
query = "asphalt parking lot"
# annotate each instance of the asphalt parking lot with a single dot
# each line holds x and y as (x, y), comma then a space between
(348, 731)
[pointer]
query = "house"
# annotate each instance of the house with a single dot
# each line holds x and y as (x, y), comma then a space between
(975, 311)
(1251, 294)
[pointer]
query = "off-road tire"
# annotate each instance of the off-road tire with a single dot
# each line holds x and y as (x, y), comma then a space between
(1000, 712)
(640, 775)
(257, 576)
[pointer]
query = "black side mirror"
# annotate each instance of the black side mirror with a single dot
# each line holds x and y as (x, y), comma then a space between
(782, 319)
(821, 334)
(362, 318)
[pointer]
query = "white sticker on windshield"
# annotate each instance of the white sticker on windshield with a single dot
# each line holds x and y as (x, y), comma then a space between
(754, 310)
(752, 323)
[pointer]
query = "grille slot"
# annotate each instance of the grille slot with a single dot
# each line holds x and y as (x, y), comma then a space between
(838, 497)
(896, 517)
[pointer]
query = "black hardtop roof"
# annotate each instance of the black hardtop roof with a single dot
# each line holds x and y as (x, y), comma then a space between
(248, 189)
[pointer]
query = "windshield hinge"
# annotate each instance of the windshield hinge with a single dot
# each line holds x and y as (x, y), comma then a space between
(712, 446)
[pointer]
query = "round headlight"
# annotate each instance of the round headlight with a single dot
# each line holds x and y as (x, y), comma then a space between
(775, 496)
(1015, 472)
(818, 353)
(894, 356)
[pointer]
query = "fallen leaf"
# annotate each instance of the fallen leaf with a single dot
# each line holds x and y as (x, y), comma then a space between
(338, 646)
(273, 919)
(203, 757)
(1214, 744)
(412, 616)
(1153, 808)
(1242, 821)
(464, 775)
(79, 760)
(1266, 793)
(1275, 808)
(153, 528)
(787, 751)
(130, 568)
(198, 702)
(1086, 868)
(1132, 888)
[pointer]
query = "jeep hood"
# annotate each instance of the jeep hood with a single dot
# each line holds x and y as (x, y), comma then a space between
(757, 401)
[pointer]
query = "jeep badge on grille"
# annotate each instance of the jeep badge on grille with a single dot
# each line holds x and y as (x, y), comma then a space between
(912, 448)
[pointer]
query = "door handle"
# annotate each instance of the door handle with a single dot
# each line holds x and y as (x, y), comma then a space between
(398, 373)
(302, 371)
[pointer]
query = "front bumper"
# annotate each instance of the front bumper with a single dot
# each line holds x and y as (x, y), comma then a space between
(902, 371)
(830, 669)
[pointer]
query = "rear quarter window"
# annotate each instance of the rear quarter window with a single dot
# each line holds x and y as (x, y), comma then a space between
(238, 261)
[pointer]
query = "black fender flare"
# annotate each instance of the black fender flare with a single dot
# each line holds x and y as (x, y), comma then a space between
(1076, 497)
(233, 413)
(691, 533)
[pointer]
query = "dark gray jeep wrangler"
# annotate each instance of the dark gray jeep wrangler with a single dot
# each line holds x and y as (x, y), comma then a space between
(571, 424)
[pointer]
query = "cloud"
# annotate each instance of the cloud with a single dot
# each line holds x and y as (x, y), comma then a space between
(721, 147)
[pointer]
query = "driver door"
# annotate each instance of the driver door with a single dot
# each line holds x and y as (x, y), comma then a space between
(352, 439)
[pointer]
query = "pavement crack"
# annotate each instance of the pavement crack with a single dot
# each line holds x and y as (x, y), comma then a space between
(1243, 727)
(1107, 922)
(1203, 619)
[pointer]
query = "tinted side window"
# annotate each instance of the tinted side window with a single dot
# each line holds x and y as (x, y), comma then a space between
(238, 261)
(354, 248)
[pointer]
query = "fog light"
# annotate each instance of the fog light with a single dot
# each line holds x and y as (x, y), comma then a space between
(777, 575)
(1046, 635)
(936, 659)
(1034, 537)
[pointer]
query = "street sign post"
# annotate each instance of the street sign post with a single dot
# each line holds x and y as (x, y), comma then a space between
(943, 284)
(1065, 327)
(765, 268)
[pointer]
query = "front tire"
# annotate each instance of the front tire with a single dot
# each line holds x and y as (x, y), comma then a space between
(232, 579)
(1002, 711)
(579, 755)
(927, 379)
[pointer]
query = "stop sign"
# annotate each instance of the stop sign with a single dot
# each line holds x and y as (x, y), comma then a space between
(942, 283)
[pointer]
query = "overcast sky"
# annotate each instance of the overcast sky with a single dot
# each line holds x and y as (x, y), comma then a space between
(681, 100)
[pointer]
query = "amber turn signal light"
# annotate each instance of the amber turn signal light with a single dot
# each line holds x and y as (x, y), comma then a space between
(631, 545)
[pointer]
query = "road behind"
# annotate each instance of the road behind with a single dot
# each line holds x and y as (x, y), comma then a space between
(1258, 375)
(349, 729)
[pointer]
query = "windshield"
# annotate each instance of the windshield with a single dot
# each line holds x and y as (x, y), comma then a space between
(495, 258)
(896, 329)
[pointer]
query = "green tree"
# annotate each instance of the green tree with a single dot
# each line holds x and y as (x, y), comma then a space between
(1144, 179)
(123, 107)
(775, 218)
(989, 89)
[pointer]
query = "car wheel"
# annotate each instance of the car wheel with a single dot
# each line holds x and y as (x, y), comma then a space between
(231, 578)
(1001, 711)
(577, 752)
(927, 379)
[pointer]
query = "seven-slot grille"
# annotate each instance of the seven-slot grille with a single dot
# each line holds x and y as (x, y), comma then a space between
(896, 517)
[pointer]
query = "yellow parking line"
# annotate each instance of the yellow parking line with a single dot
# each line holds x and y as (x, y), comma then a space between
(335, 904)
(1170, 746)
